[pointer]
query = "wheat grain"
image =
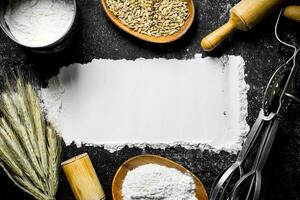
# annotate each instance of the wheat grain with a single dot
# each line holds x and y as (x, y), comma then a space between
(151, 17)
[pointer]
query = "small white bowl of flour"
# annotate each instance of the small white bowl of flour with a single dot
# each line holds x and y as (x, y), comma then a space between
(38, 24)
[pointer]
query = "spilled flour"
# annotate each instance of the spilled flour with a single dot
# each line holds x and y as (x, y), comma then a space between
(200, 102)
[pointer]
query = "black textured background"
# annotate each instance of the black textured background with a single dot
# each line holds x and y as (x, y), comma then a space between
(96, 37)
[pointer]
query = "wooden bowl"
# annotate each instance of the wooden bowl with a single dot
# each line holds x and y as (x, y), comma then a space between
(153, 159)
(162, 39)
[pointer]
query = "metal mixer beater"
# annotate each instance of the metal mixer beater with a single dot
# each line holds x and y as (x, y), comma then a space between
(241, 181)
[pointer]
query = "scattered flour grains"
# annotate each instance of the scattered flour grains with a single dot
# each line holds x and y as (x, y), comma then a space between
(156, 182)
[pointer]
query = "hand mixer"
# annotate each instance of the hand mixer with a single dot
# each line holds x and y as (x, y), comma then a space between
(237, 182)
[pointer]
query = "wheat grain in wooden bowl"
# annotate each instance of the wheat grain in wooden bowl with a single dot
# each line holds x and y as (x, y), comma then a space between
(147, 35)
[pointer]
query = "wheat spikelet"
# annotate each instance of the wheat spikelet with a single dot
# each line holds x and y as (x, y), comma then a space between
(30, 148)
(53, 151)
(27, 119)
(25, 185)
(8, 160)
(39, 124)
(13, 147)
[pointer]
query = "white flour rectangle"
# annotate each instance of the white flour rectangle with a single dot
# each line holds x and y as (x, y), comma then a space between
(195, 101)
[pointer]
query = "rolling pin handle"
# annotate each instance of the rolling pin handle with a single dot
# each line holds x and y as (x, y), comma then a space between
(215, 38)
(292, 12)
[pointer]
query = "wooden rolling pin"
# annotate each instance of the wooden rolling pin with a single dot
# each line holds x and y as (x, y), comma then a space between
(82, 178)
(292, 12)
(243, 16)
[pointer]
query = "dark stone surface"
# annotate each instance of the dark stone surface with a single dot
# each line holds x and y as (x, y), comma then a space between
(96, 37)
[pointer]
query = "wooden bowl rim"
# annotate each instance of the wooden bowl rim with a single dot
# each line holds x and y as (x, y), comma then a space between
(201, 189)
(163, 39)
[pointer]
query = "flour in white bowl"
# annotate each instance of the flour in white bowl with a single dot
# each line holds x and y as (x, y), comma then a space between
(38, 23)
(152, 181)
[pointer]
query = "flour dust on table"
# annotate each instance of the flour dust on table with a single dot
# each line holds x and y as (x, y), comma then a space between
(198, 103)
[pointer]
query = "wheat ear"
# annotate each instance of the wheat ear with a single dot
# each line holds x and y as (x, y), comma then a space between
(26, 117)
(54, 142)
(39, 124)
(30, 147)
(11, 112)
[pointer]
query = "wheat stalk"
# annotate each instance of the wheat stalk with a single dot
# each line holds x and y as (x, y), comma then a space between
(30, 148)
